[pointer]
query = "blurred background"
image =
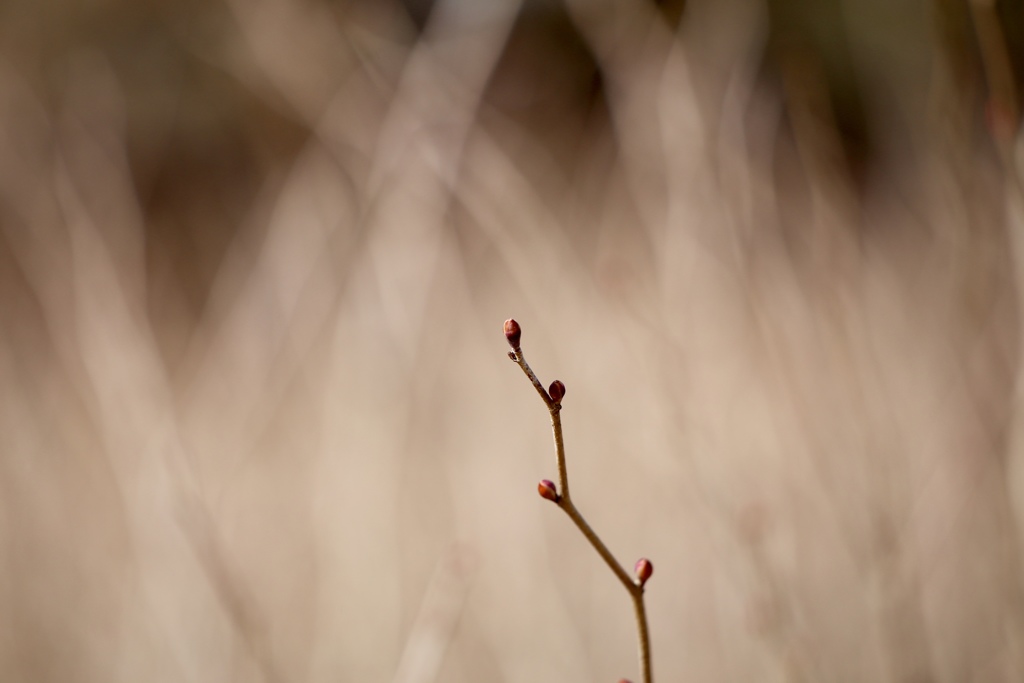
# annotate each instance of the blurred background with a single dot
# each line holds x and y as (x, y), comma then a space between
(257, 422)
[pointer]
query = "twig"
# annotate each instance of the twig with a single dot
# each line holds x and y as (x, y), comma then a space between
(643, 569)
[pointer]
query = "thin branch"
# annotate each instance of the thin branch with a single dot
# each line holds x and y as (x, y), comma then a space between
(552, 398)
(602, 550)
(642, 636)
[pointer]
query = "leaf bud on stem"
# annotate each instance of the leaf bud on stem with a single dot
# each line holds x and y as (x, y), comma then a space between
(546, 489)
(643, 569)
(513, 333)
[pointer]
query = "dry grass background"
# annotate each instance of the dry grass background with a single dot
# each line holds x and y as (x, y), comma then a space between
(256, 418)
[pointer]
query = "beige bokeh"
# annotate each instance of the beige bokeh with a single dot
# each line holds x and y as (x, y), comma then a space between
(256, 418)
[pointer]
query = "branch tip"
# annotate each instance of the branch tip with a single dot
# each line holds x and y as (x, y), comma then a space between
(513, 333)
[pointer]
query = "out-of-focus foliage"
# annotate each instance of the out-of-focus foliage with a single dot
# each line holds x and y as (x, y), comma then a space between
(256, 419)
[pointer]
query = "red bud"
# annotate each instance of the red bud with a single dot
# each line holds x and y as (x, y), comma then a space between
(546, 489)
(643, 569)
(556, 391)
(512, 333)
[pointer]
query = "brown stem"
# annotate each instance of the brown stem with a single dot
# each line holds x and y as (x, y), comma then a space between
(642, 637)
(602, 550)
(635, 587)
